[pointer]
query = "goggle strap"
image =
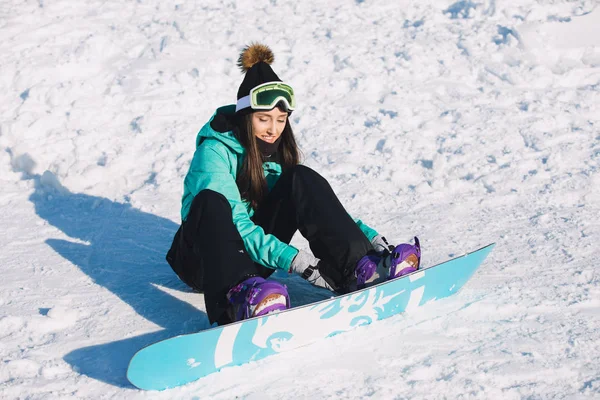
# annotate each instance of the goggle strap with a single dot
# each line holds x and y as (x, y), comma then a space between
(242, 103)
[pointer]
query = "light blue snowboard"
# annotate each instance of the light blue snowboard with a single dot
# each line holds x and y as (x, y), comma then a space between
(183, 359)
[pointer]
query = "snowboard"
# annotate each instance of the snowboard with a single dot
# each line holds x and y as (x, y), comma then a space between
(186, 358)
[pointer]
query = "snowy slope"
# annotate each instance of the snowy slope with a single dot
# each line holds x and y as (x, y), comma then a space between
(461, 122)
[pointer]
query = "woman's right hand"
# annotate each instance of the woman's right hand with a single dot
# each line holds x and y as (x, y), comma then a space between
(307, 266)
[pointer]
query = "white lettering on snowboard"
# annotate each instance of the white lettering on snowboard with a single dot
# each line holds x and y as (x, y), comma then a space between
(224, 349)
(415, 298)
(285, 331)
(416, 275)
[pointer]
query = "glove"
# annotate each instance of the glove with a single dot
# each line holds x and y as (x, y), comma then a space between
(306, 265)
(381, 245)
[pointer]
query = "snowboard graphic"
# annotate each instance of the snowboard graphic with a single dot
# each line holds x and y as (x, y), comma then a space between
(183, 359)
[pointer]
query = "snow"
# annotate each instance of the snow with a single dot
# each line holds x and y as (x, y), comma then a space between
(461, 122)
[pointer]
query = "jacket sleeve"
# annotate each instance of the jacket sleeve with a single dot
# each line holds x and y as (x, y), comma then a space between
(210, 169)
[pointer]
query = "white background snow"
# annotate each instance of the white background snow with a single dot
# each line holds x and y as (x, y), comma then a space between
(464, 123)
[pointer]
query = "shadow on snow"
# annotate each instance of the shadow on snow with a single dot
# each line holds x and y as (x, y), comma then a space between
(124, 252)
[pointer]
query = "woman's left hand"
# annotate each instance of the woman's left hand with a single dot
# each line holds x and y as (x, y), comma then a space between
(381, 245)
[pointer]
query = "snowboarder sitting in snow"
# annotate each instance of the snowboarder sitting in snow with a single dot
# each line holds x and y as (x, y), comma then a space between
(246, 194)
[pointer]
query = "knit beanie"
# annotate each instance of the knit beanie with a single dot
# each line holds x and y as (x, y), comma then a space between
(255, 62)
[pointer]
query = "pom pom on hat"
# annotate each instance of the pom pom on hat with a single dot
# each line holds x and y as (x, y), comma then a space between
(253, 54)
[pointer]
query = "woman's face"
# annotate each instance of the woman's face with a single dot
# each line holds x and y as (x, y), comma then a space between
(268, 125)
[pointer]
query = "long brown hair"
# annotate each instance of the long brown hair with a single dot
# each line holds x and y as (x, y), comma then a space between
(251, 179)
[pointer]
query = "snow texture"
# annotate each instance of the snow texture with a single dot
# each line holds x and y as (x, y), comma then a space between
(461, 122)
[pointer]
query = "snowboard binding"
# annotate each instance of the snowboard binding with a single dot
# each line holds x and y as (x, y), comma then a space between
(255, 297)
(376, 268)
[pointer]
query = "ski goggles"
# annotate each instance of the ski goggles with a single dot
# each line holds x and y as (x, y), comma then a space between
(267, 95)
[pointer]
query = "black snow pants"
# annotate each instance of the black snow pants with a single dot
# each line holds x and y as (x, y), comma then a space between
(208, 253)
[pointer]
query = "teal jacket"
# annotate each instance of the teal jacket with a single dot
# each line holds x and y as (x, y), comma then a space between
(215, 165)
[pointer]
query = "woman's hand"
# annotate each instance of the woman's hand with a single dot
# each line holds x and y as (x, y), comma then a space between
(307, 266)
(381, 245)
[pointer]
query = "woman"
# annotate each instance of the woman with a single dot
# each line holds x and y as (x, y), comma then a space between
(246, 194)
